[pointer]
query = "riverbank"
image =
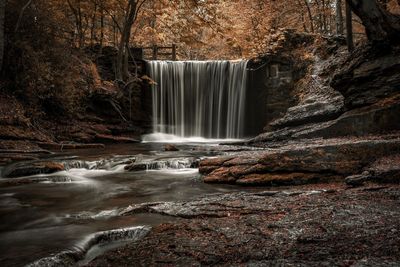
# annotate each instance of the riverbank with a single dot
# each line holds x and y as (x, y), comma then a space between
(317, 225)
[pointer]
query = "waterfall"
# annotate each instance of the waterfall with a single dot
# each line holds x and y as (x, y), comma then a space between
(199, 98)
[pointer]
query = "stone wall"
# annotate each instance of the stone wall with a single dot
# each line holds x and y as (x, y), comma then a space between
(271, 83)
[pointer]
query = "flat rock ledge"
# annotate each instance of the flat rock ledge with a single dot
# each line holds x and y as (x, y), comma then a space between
(323, 160)
(316, 225)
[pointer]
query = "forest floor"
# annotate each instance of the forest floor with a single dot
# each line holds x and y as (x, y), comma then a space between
(313, 225)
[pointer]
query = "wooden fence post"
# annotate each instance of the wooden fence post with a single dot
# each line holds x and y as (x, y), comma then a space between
(155, 52)
(174, 52)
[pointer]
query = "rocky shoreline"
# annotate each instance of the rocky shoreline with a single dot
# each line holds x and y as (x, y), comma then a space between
(307, 161)
(317, 225)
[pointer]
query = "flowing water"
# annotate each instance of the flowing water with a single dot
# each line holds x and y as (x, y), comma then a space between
(199, 98)
(55, 212)
(48, 216)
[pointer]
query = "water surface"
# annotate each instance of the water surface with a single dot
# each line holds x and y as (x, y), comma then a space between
(39, 219)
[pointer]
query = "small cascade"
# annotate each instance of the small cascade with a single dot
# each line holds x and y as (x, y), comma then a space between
(103, 164)
(82, 250)
(180, 163)
(163, 164)
(199, 98)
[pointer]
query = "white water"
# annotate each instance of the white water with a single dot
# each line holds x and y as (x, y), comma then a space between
(199, 99)
(170, 138)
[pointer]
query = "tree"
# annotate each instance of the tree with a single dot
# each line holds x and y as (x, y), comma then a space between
(349, 28)
(132, 10)
(309, 15)
(2, 35)
(339, 17)
(380, 25)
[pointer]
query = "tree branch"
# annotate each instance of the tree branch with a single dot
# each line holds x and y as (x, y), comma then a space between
(21, 13)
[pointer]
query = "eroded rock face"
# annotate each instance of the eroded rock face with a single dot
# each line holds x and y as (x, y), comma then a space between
(331, 159)
(375, 119)
(27, 169)
(321, 110)
(368, 76)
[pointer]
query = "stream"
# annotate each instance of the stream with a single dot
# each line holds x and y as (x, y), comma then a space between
(55, 212)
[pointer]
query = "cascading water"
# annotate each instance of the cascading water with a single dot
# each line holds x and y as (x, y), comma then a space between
(199, 98)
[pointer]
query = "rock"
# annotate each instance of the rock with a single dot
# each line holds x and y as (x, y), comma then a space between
(27, 169)
(276, 179)
(358, 179)
(379, 118)
(309, 227)
(8, 158)
(299, 163)
(136, 167)
(367, 76)
(318, 111)
(386, 169)
(114, 139)
(170, 147)
(69, 146)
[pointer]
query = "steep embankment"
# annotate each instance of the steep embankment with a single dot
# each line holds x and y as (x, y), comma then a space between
(346, 121)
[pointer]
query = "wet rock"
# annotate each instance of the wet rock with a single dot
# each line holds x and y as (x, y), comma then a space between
(69, 146)
(8, 158)
(105, 138)
(358, 179)
(195, 164)
(299, 163)
(170, 147)
(136, 167)
(77, 255)
(27, 169)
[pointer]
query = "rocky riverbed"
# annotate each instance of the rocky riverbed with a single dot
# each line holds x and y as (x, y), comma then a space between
(319, 225)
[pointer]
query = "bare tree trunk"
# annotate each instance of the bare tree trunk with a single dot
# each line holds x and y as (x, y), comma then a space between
(101, 28)
(21, 13)
(339, 18)
(2, 35)
(380, 25)
(80, 26)
(122, 56)
(76, 11)
(93, 36)
(310, 15)
(303, 20)
(324, 23)
(124, 41)
(349, 28)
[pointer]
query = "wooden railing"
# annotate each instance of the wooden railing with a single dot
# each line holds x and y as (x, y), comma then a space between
(160, 52)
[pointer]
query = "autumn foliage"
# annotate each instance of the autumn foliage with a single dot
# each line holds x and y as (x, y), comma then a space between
(46, 42)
